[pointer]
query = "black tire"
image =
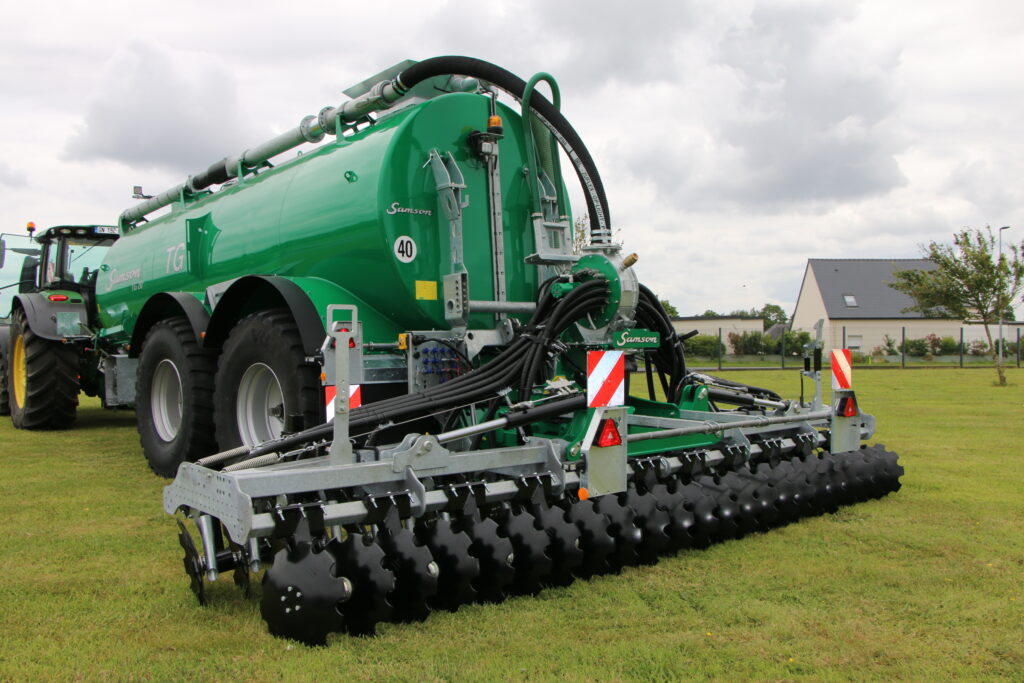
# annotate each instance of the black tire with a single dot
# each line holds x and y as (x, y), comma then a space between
(48, 397)
(5, 401)
(172, 365)
(263, 361)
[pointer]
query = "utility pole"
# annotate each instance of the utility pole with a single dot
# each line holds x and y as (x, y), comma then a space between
(999, 263)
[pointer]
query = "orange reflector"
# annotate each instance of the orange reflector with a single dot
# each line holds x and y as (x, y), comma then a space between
(608, 434)
(583, 493)
(58, 297)
(494, 122)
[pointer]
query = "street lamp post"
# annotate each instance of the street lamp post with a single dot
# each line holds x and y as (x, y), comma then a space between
(999, 263)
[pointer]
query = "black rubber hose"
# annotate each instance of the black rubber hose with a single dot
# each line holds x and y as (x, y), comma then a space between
(472, 386)
(568, 138)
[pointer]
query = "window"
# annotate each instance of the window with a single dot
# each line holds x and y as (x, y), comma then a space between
(854, 342)
(850, 300)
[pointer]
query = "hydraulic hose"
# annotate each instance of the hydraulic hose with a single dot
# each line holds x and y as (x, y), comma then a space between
(597, 201)
(548, 320)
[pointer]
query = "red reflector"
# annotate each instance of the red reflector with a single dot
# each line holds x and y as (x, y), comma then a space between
(850, 409)
(352, 341)
(608, 434)
(58, 297)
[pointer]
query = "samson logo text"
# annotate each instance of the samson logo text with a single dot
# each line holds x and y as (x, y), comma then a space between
(120, 277)
(395, 208)
(628, 339)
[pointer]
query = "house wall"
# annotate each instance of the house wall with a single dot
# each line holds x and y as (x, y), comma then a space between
(810, 306)
(711, 326)
(864, 335)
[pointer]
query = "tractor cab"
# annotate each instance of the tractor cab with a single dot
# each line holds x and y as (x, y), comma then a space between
(62, 261)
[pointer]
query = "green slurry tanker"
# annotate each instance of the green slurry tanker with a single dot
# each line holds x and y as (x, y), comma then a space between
(382, 376)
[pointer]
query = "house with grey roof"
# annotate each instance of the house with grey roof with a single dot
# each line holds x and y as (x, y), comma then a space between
(859, 307)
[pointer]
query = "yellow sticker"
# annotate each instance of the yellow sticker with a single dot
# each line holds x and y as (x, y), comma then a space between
(426, 290)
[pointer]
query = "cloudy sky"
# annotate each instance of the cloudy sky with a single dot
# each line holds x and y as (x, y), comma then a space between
(736, 139)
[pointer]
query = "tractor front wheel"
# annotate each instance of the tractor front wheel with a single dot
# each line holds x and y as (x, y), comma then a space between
(43, 378)
(174, 397)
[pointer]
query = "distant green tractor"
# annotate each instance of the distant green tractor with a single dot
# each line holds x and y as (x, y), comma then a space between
(48, 299)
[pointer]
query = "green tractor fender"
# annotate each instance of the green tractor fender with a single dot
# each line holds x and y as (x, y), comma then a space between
(54, 320)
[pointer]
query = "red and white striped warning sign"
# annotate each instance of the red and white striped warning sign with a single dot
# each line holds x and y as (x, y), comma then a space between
(355, 398)
(606, 378)
(842, 372)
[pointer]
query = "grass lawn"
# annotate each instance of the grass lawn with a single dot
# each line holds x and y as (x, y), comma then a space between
(925, 584)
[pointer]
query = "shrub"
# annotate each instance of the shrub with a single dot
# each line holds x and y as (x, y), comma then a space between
(934, 343)
(858, 357)
(747, 344)
(915, 347)
(948, 346)
(795, 342)
(890, 345)
(706, 345)
(978, 347)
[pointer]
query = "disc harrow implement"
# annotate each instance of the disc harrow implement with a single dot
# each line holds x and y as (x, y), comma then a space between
(500, 450)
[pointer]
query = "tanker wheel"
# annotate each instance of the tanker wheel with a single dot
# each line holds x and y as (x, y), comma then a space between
(262, 378)
(43, 378)
(173, 393)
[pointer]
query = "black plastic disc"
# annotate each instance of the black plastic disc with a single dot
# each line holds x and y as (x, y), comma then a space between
(596, 542)
(415, 572)
(622, 527)
(192, 562)
(458, 568)
(653, 520)
(302, 594)
(529, 544)
(360, 559)
(564, 545)
(495, 555)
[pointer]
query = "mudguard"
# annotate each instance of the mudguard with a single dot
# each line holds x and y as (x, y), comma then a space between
(56, 320)
(169, 305)
(306, 297)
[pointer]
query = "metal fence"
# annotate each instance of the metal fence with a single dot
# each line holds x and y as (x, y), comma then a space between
(898, 349)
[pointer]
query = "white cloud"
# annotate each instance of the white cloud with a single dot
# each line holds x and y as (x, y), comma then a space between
(155, 108)
(735, 138)
(10, 176)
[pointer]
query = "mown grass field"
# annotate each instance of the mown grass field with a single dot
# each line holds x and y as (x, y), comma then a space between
(926, 584)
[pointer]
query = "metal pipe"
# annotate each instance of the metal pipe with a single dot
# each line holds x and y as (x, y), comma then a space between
(310, 129)
(709, 427)
(502, 306)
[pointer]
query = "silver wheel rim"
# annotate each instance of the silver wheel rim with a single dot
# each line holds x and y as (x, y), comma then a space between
(260, 409)
(167, 401)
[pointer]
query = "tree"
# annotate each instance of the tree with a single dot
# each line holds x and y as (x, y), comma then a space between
(971, 282)
(773, 315)
(669, 308)
(709, 314)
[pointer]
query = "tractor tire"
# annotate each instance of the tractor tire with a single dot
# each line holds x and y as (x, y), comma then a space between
(262, 378)
(5, 401)
(174, 397)
(43, 378)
